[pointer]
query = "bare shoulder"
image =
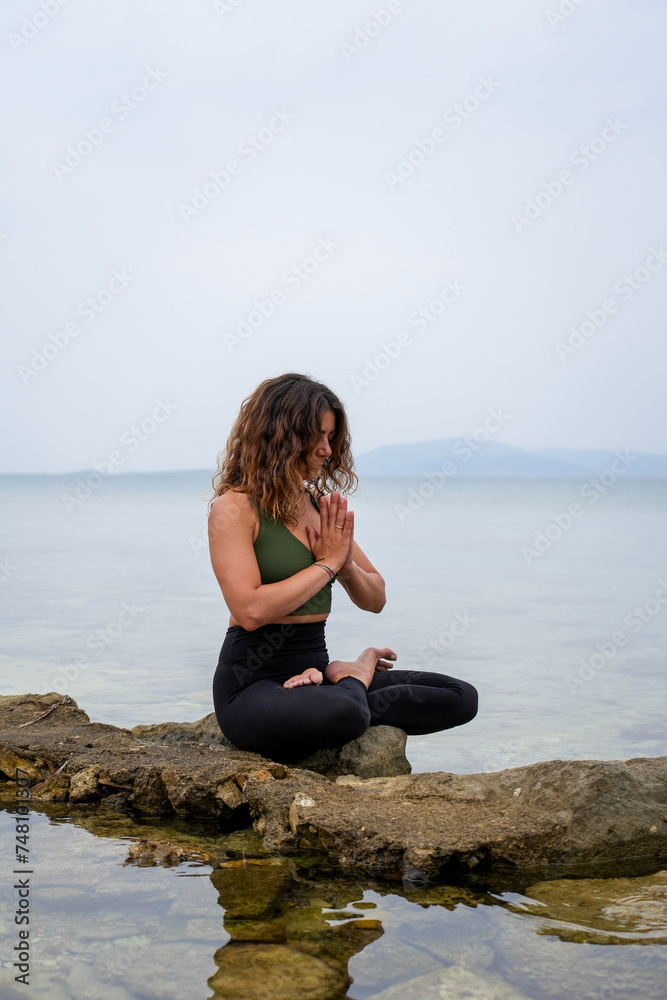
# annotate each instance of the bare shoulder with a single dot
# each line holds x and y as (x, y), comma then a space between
(232, 509)
(233, 500)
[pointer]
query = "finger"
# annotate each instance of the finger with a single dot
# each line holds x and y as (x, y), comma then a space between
(338, 511)
(342, 509)
(328, 517)
(332, 511)
(312, 533)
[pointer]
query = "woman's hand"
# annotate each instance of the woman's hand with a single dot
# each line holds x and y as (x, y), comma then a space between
(332, 544)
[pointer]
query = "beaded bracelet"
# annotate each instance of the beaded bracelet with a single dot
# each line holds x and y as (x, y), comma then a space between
(332, 575)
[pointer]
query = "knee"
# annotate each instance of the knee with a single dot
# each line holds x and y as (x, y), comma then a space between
(346, 721)
(469, 703)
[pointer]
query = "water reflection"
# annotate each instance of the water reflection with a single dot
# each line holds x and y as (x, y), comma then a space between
(283, 935)
(130, 911)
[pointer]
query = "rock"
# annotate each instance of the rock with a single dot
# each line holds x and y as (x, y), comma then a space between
(102, 763)
(10, 762)
(379, 752)
(203, 732)
(154, 853)
(266, 903)
(84, 785)
(569, 816)
(273, 972)
(188, 769)
(250, 887)
(55, 788)
(602, 911)
(546, 820)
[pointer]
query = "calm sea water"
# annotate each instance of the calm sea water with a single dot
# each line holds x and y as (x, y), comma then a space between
(114, 602)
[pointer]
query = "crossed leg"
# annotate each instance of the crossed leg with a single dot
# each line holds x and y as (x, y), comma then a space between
(288, 725)
(420, 702)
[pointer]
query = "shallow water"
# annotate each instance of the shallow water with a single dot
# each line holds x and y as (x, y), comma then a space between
(104, 930)
(533, 630)
(241, 925)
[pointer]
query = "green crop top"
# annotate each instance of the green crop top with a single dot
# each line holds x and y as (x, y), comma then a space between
(281, 554)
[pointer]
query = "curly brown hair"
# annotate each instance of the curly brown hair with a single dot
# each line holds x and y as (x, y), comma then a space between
(278, 424)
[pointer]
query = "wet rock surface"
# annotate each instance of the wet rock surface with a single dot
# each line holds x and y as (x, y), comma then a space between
(549, 819)
(601, 911)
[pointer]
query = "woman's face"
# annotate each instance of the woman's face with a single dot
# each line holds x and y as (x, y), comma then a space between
(317, 456)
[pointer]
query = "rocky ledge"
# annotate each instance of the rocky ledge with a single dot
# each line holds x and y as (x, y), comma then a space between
(359, 805)
(188, 769)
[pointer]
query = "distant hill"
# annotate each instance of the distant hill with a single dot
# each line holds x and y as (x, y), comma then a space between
(495, 459)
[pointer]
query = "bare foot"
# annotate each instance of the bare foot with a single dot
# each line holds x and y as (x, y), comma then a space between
(364, 667)
(309, 676)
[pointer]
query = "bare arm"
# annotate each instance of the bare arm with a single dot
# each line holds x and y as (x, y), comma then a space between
(362, 582)
(230, 527)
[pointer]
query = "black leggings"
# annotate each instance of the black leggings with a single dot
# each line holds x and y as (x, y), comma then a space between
(257, 713)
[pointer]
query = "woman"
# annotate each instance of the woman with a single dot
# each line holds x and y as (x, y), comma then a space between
(276, 548)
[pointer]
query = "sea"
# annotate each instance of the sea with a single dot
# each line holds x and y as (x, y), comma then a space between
(549, 595)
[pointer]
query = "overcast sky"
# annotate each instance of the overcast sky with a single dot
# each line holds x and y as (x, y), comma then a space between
(425, 199)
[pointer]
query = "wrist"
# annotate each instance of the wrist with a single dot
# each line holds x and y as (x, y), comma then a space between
(347, 571)
(333, 564)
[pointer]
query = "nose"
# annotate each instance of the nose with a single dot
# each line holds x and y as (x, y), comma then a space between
(324, 448)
